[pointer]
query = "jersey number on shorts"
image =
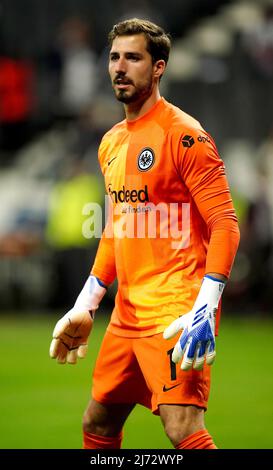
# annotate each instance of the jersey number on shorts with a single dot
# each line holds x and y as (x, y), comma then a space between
(172, 364)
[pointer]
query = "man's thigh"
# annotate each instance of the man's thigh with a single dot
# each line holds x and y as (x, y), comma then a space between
(117, 377)
(168, 383)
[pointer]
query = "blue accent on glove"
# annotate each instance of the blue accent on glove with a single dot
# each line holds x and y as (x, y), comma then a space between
(101, 283)
(214, 278)
(200, 334)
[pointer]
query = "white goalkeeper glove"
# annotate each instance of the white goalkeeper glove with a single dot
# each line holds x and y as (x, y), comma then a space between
(197, 341)
(70, 335)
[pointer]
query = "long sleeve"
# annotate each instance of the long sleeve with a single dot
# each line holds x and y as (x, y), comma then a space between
(104, 266)
(204, 174)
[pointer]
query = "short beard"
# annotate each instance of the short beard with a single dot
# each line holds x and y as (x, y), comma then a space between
(140, 94)
(121, 96)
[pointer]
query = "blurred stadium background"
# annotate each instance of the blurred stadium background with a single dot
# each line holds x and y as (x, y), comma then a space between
(55, 104)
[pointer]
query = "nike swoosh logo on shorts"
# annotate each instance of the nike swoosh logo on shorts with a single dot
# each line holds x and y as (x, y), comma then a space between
(112, 159)
(166, 389)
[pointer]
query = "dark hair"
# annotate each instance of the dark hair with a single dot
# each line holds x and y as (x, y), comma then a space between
(158, 42)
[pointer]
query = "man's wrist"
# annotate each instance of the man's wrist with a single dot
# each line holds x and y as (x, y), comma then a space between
(91, 295)
(210, 292)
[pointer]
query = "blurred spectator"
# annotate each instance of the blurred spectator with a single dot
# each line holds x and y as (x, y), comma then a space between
(250, 171)
(265, 162)
(72, 253)
(16, 101)
(265, 165)
(259, 44)
(78, 75)
(258, 244)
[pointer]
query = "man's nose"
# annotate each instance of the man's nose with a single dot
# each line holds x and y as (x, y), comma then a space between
(121, 65)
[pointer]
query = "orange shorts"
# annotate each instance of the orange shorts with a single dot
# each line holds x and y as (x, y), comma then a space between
(140, 370)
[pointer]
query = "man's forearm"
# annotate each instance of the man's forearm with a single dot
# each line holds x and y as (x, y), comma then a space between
(104, 267)
(222, 248)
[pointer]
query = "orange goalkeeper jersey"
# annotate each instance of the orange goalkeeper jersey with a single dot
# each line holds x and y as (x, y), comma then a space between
(172, 218)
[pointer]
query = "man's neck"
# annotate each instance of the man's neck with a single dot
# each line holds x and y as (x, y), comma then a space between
(136, 110)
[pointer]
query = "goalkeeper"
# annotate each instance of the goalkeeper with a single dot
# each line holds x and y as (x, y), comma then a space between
(171, 265)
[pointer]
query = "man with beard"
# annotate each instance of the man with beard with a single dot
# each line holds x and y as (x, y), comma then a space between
(169, 281)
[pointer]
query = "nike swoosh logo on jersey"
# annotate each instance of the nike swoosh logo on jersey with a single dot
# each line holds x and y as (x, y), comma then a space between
(112, 159)
(166, 389)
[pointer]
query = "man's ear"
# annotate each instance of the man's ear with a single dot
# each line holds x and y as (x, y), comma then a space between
(159, 68)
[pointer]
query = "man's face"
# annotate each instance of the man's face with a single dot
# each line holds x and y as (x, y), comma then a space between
(131, 69)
